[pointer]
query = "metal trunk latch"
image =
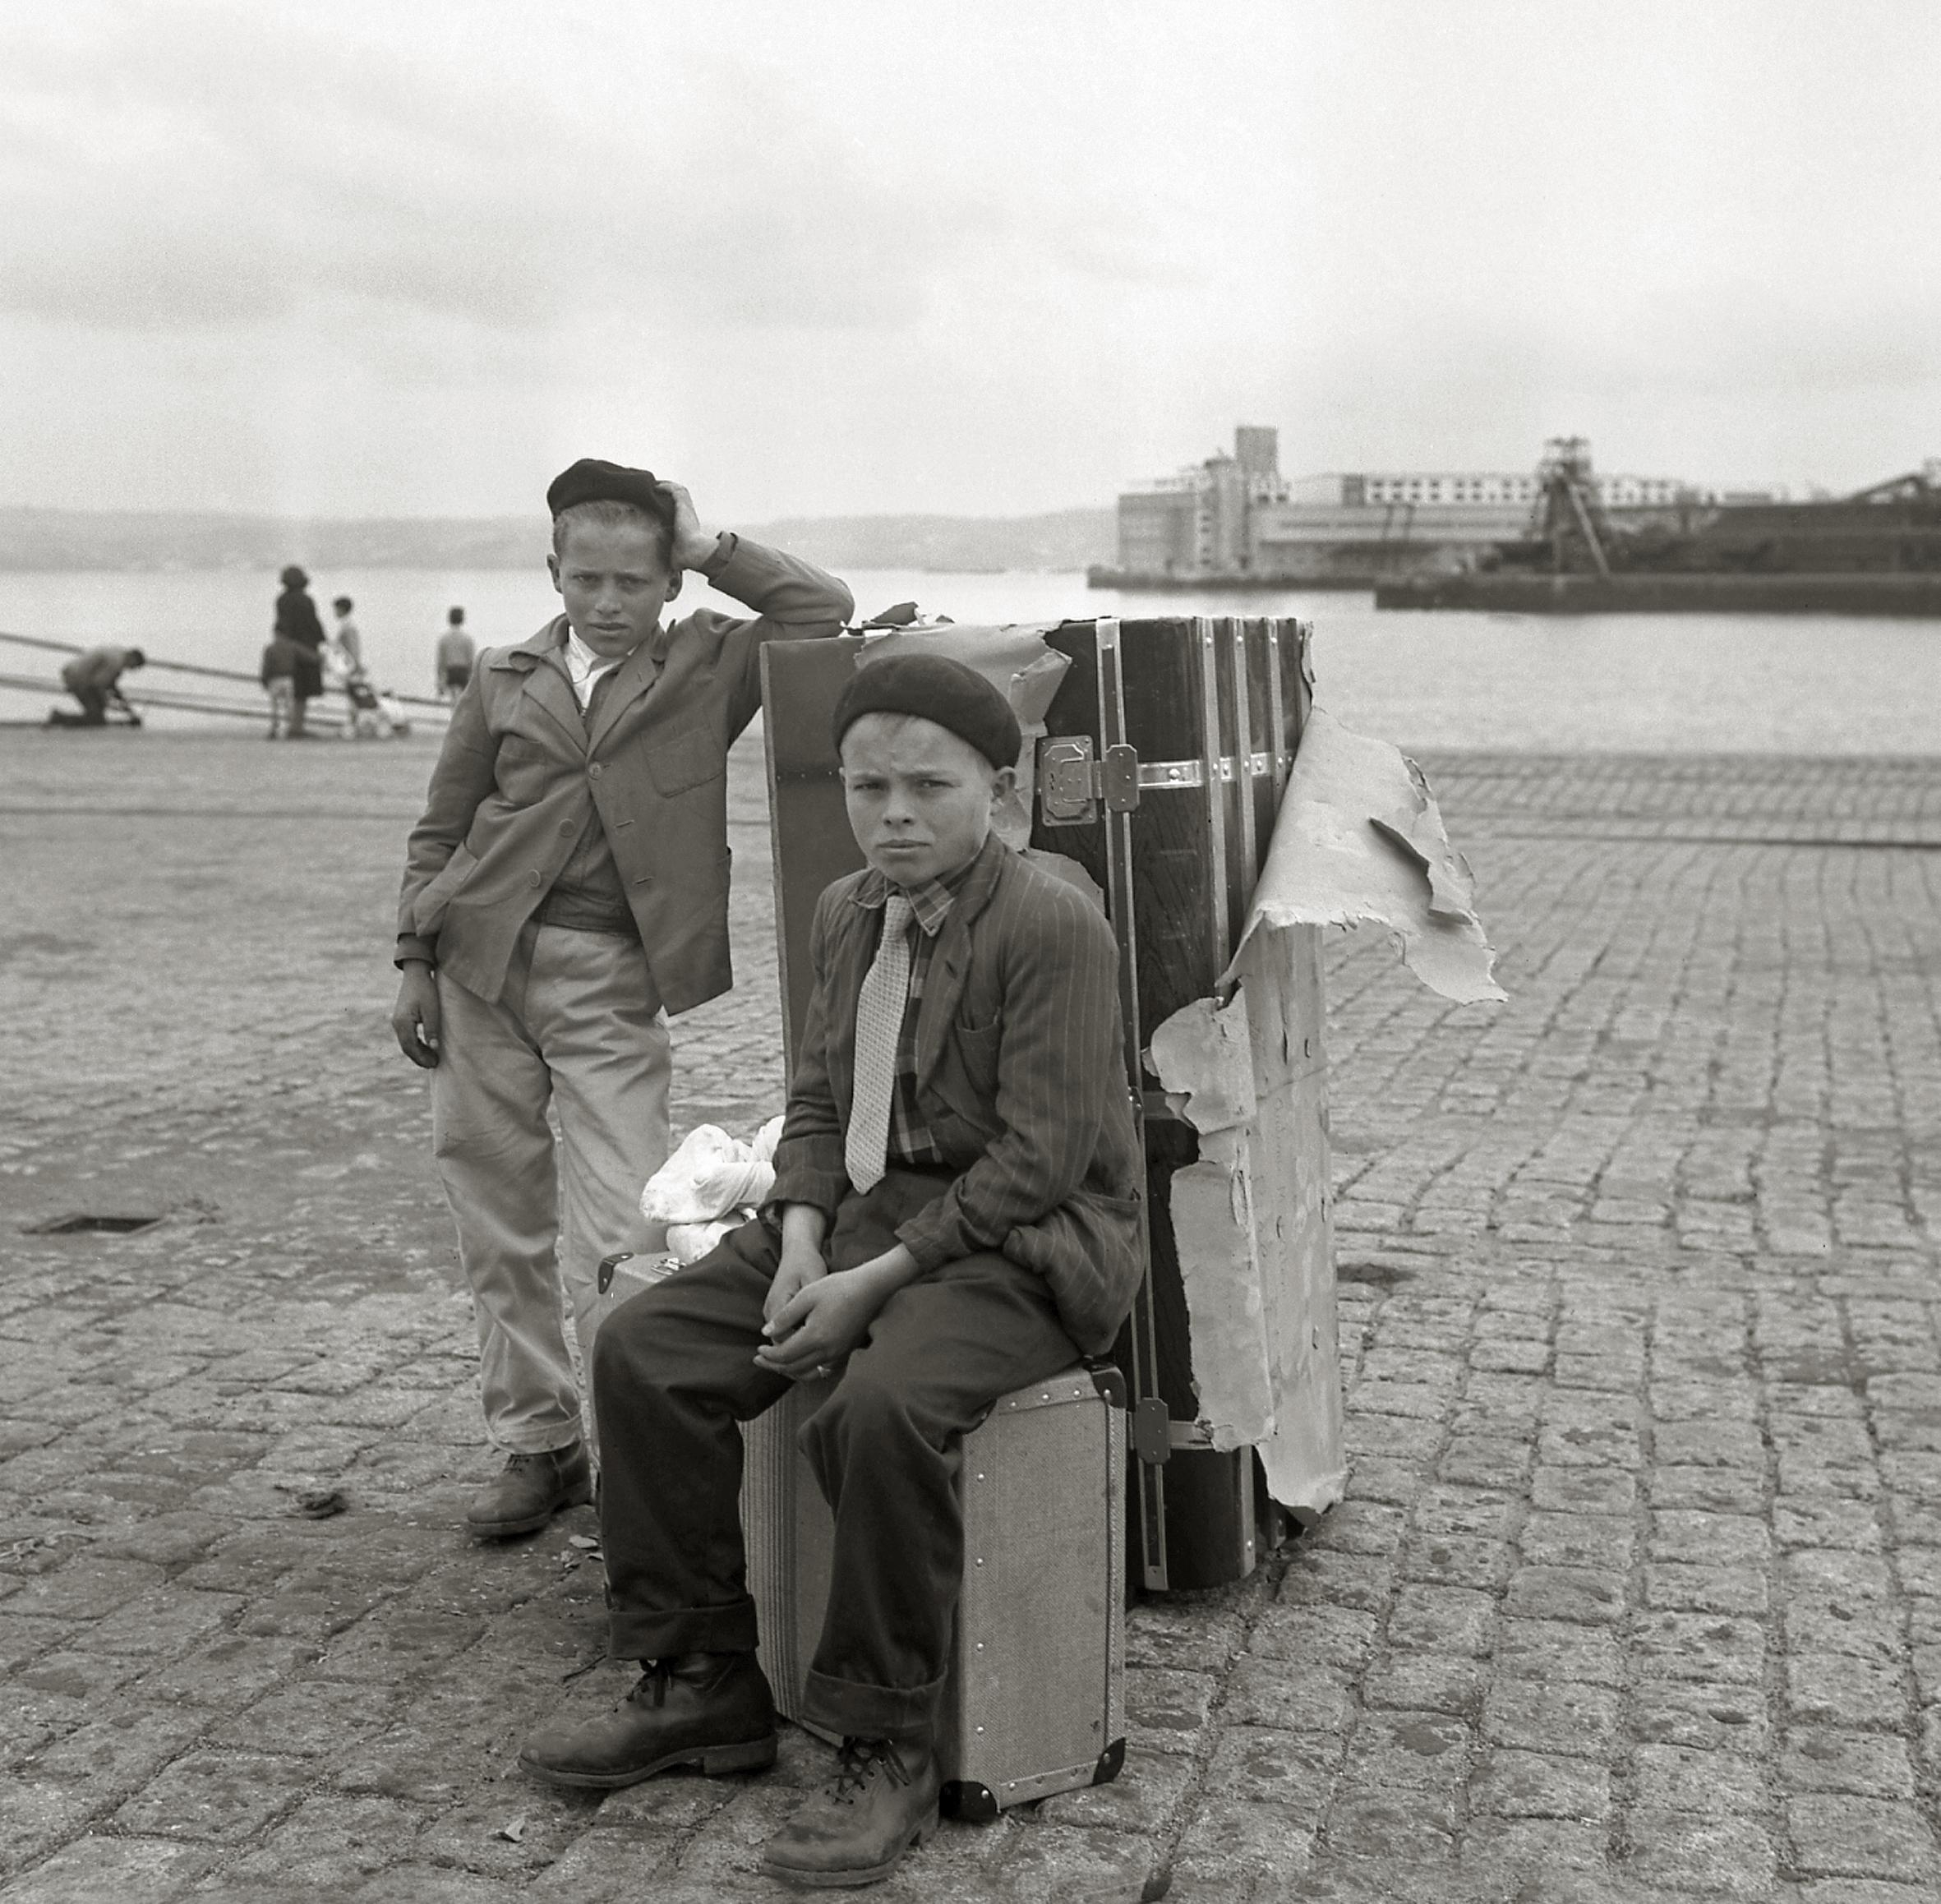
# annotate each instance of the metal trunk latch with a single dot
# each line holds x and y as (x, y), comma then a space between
(1071, 783)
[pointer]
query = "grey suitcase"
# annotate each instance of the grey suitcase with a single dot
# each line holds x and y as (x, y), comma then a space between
(1034, 1702)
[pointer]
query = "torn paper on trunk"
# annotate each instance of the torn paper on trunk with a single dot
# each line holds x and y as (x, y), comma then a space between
(1250, 1218)
(1359, 840)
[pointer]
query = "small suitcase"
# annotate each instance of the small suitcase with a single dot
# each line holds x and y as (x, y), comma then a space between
(1034, 1702)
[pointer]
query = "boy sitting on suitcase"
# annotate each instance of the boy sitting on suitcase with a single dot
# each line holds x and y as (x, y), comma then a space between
(954, 1213)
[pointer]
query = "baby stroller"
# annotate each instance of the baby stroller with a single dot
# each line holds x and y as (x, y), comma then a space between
(371, 718)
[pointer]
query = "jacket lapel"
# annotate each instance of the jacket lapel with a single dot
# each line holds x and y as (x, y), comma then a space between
(545, 686)
(950, 965)
(637, 674)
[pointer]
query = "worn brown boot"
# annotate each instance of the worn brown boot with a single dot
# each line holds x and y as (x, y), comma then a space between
(531, 1491)
(855, 1830)
(710, 1709)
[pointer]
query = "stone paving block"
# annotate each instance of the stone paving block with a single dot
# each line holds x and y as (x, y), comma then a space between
(1709, 1857)
(1426, 1749)
(396, 1643)
(1512, 1854)
(1558, 1649)
(1409, 1827)
(1556, 1718)
(1709, 1539)
(1867, 1631)
(1699, 1646)
(1318, 1578)
(166, 1540)
(1819, 1759)
(1811, 1521)
(1852, 1580)
(1862, 1837)
(414, 1883)
(1272, 1692)
(1331, 1635)
(1165, 1709)
(1687, 1778)
(220, 1797)
(1725, 1491)
(604, 1865)
(1517, 1784)
(230, 1670)
(162, 1625)
(84, 1589)
(1593, 1596)
(308, 1720)
(1454, 1559)
(1485, 1461)
(1833, 1689)
(97, 1867)
(1445, 1620)
(1144, 1799)
(1296, 1771)
(1703, 1589)
(1357, 1527)
(1605, 1542)
(1592, 1491)
(473, 1834)
(331, 1843)
(1181, 1633)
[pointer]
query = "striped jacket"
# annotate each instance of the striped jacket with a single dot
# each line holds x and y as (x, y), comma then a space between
(1020, 1078)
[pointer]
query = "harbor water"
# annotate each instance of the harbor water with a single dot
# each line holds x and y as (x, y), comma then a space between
(1807, 685)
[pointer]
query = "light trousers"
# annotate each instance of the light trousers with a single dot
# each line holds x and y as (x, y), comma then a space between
(579, 1027)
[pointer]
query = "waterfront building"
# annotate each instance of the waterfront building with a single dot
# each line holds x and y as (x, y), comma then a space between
(1236, 517)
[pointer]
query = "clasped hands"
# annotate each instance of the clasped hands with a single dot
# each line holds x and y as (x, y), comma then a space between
(813, 1317)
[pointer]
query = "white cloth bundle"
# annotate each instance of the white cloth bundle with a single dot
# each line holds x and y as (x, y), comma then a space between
(710, 1176)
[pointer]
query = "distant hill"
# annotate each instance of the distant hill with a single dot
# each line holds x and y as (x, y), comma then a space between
(70, 539)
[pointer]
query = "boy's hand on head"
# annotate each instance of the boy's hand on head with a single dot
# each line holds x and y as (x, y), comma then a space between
(693, 544)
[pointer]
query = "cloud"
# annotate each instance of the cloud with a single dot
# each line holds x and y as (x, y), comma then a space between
(214, 167)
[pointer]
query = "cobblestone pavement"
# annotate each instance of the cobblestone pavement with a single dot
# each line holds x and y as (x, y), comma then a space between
(1636, 1595)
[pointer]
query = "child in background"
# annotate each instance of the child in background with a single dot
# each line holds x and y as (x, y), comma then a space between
(281, 658)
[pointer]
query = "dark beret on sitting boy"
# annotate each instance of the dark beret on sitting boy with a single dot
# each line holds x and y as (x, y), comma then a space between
(934, 688)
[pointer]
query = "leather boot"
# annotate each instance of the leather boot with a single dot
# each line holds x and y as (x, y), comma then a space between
(710, 1709)
(882, 1800)
(531, 1489)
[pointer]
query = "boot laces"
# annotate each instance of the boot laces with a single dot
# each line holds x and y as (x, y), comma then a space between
(653, 1689)
(855, 1768)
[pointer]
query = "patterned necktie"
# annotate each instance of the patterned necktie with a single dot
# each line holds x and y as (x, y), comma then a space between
(879, 1024)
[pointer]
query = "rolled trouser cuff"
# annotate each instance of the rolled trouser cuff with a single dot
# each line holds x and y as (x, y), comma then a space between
(635, 1635)
(854, 1710)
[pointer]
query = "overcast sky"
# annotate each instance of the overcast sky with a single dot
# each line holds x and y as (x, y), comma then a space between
(412, 257)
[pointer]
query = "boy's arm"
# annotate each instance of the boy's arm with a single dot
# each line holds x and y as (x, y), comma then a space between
(809, 1165)
(462, 778)
(1060, 1069)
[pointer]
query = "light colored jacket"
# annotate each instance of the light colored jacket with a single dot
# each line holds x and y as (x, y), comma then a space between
(519, 777)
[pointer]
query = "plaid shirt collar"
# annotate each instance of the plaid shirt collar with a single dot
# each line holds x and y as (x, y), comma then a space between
(931, 901)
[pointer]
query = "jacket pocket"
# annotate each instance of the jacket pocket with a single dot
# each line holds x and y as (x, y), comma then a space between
(428, 909)
(689, 758)
(520, 770)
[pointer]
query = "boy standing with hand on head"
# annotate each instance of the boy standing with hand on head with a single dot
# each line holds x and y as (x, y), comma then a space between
(954, 1216)
(566, 888)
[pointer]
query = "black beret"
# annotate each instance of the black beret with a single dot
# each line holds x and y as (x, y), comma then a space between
(934, 688)
(591, 480)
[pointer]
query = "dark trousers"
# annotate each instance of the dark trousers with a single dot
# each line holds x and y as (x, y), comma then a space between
(673, 1373)
(94, 706)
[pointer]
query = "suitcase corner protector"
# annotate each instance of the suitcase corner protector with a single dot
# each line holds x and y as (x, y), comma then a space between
(1111, 1762)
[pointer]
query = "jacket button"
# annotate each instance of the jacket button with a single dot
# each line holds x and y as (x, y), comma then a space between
(595, 771)
(531, 878)
(565, 825)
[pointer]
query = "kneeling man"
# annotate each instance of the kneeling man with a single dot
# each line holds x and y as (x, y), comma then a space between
(955, 1213)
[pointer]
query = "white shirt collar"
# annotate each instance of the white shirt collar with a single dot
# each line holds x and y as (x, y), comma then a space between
(584, 667)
